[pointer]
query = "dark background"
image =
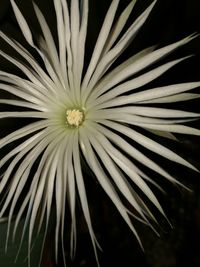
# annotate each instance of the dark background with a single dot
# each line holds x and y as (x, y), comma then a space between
(170, 21)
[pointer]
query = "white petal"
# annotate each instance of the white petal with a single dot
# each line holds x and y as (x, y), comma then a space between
(138, 65)
(68, 43)
(163, 134)
(21, 185)
(137, 155)
(52, 51)
(22, 23)
(20, 104)
(60, 191)
(31, 74)
(71, 190)
(114, 172)
(148, 143)
(33, 150)
(64, 195)
(125, 165)
(46, 172)
(24, 114)
(165, 91)
(82, 192)
(96, 91)
(54, 181)
(24, 145)
(149, 112)
(110, 97)
(103, 35)
(119, 25)
(82, 36)
(131, 119)
(61, 39)
(22, 132)
(21, 176)
(43, 77)
(104, 181)
(75, 26)
(27, 92)
(117, 50)
(172, 99)
(182, 129)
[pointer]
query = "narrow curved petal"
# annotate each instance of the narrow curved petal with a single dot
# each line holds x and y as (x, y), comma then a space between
(108, 59)
(103, 35)
(22, 23)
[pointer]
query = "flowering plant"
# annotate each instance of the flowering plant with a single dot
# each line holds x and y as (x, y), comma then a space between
(86, 115)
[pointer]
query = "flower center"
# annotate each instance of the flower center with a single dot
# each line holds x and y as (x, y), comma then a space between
(74, 117)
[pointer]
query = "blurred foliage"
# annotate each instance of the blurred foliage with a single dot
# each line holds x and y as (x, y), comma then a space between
(7, 259)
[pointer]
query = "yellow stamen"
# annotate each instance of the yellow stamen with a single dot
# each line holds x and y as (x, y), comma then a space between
(74, 117)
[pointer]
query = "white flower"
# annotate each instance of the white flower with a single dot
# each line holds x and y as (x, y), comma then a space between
(87, 113)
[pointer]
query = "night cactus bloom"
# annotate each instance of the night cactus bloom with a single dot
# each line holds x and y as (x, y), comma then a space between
(86, 115)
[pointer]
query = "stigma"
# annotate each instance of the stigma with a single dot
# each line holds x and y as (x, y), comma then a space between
(74, 117)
